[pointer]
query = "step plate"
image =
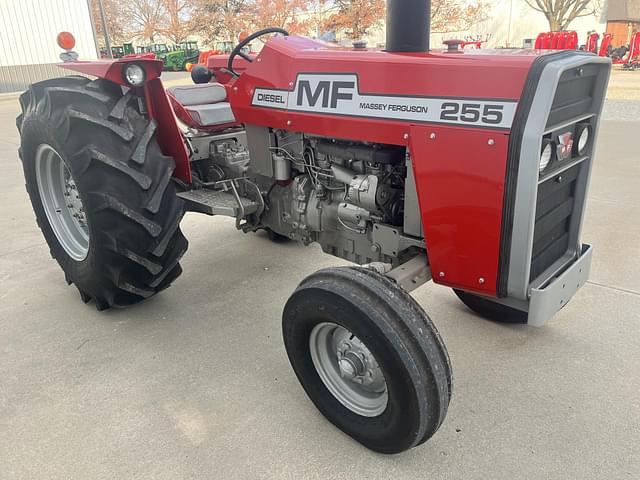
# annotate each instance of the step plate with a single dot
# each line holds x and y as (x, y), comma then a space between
(215, 202)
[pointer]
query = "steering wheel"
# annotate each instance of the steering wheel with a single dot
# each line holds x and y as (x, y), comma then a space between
(238, 50)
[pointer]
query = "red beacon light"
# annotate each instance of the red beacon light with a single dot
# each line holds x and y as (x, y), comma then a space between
(67, 41)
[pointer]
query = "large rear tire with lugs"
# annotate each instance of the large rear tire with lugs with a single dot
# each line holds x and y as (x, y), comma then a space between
(101, 189)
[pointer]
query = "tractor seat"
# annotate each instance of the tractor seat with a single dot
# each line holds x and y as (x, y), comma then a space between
(202, 105)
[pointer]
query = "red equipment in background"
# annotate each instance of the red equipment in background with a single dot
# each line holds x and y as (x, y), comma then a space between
(569, 41)
(592, 43)
(214, 61)
(633, 57)
(604, 46)
(202, 59)
(474, 44)
(622, 55)
(557, 41)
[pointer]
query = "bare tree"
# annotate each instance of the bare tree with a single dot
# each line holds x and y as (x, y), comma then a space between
(560, 13)
(356, 17)
(289, 14)
(456, 15)
(114, 18)
(218, 20)
(146, 17)
(175, 22)
(319, 12)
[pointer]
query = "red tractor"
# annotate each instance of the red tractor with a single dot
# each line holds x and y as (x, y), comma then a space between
(389, 159)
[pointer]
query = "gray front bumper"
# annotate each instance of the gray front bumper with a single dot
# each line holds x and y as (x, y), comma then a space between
(550, 297)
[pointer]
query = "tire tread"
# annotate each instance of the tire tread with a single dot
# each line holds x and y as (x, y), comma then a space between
(127, 183)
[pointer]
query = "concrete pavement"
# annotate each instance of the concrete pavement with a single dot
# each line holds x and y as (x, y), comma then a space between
(196, 384)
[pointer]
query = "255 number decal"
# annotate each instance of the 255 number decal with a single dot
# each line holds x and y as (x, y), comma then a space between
(472, 113)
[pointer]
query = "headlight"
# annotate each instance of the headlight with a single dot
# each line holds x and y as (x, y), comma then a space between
(134, 75)
(548, 148)
(583, 134)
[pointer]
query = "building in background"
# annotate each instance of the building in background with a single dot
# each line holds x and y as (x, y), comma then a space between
(510, 23)
(623, 18)
(28, 30)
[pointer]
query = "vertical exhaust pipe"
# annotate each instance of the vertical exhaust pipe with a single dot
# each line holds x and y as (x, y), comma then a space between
(408, 25)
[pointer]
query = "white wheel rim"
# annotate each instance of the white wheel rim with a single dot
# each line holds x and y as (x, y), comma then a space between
(348, 369)
(61, 202)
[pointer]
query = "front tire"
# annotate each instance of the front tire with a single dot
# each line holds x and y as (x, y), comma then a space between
(91, 159)
(368, 357)
(491, 310)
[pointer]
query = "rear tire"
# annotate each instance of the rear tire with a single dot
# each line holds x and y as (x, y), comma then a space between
(122, 182)
(343, 307)
(491, 310)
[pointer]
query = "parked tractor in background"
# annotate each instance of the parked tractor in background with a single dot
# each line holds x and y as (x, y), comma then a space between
(219, 55)
(175, 58)
(117, 51)
(185, 53)
(159, 49)
(389, 159)
(140, 52)
(128, 49)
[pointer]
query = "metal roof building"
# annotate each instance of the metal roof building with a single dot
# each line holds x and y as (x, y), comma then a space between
(623, 18)
(623, 10)
(28, 30)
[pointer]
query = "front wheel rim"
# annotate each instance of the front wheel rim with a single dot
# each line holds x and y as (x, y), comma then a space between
(61, 202)
(348, 369)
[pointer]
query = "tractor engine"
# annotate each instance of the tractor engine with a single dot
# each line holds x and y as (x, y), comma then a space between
(314, 189)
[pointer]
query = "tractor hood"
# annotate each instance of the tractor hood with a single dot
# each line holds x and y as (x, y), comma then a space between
(298, 81)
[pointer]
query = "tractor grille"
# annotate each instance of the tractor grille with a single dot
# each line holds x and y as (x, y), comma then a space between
(554, 210)
(542, 241)
(575, 94)
(559, 197)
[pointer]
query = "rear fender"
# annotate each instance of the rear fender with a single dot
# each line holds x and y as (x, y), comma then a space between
(168, 135)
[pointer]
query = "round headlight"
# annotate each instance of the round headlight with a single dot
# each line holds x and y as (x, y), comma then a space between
(546, 155)
(134, 75)
(583, 134)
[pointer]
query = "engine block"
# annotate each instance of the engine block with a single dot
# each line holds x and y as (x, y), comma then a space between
(334, 192)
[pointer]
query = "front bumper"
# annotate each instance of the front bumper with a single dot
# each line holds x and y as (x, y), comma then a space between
(555, 293)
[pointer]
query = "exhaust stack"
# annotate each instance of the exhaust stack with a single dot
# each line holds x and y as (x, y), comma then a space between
(408, 25)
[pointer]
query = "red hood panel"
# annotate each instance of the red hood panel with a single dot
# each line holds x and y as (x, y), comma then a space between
(490, 75)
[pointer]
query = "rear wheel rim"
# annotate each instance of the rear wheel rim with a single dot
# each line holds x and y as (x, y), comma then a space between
(348, 369)
(61, 202)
